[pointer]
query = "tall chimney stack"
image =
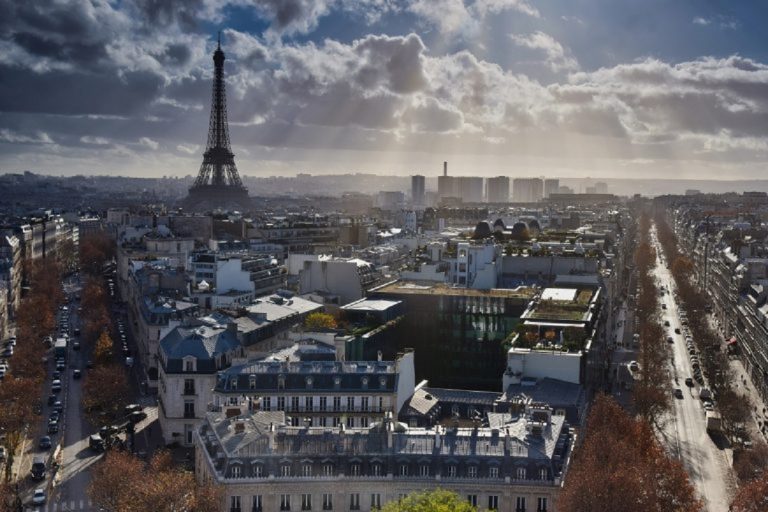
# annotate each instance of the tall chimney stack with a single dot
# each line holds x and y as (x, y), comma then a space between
(445, 168)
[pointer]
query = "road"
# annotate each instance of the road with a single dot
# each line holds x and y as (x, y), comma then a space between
(685, 433)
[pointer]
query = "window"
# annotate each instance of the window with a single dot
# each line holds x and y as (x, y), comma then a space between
(234, 504)
(327, 501)
(375, 500)
(381, 404)
(424, 470)
(281, 403)
(336, 421)
(542, 505)
(336, 403)
(322, 422)
(364, 403)
(308, 382)
(520, 473)
(323, 403)
(328, 470)
(285, 470)
(189, 366)
(493, 472)
(266, 403)
(258, 506)
(306, 470)
(350, 403)
(376, 470)
(520, 504)
(382, 382)
(189, 386)
(308, 403)
(189, 409)
(306, 502)
(472, 499)
(237, 471)
(403, 470)
(258, 470)
(452, 471)
(294, 403)
(252, 381)
(493, 502)
(543, 474)
(337, 382)
(364, 382)
(354, 501)
(350, 421)
(285, 502)
(472, 471)
(354, 470)
(364, 422)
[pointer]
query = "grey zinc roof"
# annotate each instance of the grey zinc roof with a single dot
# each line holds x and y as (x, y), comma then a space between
(255, 427)
(422, 401)
(200, 342)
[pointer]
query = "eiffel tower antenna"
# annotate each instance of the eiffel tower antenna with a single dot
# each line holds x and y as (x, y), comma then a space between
(218, 181)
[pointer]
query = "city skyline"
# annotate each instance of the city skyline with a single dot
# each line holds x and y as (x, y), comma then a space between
(496, 87)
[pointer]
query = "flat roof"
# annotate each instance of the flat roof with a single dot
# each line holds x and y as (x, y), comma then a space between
(371, 305)
(419, 288)
(558, 294)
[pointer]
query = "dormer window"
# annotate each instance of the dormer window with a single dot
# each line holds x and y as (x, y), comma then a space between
(364, 382)
(308, 381)
(252, 382)
(382, 382)
(190, 364)
(281, 382)
(337, 382)
(233, 383)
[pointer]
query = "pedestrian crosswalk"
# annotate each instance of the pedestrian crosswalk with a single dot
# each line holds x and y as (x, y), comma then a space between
(67, 506)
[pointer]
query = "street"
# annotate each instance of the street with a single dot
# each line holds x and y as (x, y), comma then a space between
(68, 490)
(685, 433)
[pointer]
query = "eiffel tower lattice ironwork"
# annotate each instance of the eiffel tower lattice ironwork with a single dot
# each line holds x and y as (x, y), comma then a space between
(218, 182)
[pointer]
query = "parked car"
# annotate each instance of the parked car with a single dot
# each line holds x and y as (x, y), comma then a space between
(689, 382)
(44, 443)
(76, 345)
(56, 386)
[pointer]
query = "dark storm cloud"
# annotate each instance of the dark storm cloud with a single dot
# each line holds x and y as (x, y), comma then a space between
(76, 93)
(75, 52)
(164, 13)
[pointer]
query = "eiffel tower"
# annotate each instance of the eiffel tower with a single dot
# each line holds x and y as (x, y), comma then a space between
(218, 183)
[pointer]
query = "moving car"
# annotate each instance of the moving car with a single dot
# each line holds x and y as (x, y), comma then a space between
(678, 393)
(38, 498)
(76, 374)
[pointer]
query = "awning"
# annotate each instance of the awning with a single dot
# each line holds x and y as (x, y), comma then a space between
(732, 341)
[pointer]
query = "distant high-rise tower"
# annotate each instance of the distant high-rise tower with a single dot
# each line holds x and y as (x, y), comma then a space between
(497, 189)
(417, 189)
(550, 186)
(527, 190)
(218, 183)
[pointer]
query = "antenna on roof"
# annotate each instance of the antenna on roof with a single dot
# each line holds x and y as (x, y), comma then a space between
(219, 40)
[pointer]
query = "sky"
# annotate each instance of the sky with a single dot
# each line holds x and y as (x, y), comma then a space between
(567, 88)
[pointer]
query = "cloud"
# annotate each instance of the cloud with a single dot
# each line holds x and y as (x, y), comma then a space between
(12, 137)
(190, 149)
(457, 16)
(148, 143)
(719, 21)
(557, 59)
(90, 139)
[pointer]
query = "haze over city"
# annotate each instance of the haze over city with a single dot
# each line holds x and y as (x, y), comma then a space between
(561, 88)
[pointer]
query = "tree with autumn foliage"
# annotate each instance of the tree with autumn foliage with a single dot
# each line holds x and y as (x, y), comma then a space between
(753, 496)
(621, 466)
(123, 483)
(106, 390)
(319, 322)
(102, 352)
(96, 249)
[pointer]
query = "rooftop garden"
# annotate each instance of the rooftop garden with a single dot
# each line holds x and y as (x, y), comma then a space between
(567, 339)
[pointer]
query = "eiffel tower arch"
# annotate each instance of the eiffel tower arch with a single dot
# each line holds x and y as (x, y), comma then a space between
(218, 184)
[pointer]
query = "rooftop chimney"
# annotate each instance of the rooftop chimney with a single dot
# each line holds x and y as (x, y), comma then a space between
(445, 168)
